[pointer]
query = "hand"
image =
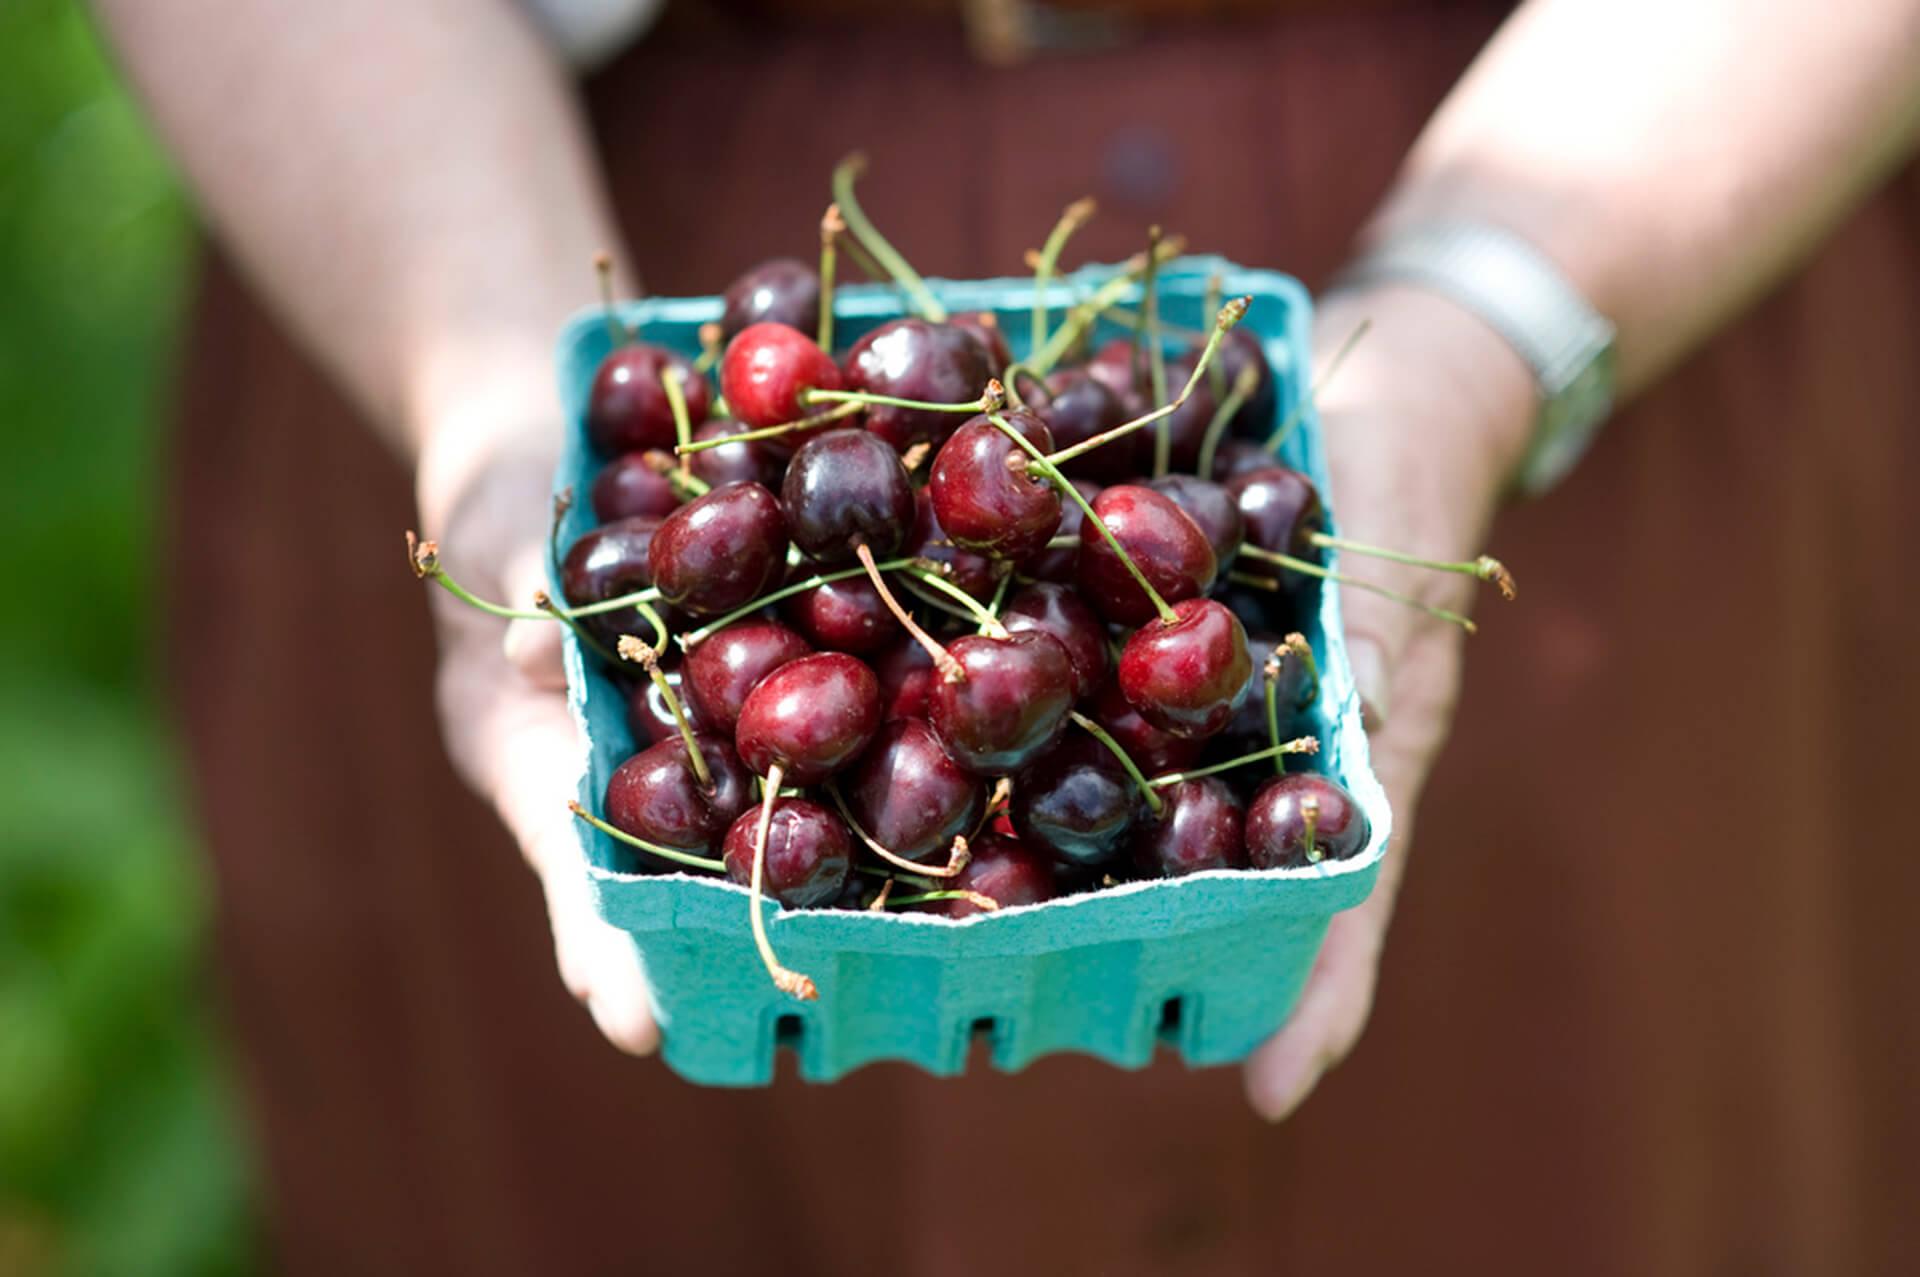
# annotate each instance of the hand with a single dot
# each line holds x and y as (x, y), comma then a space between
(1423, 424)
(484, 494)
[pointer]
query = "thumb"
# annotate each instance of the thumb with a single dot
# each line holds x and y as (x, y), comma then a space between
(531, 647)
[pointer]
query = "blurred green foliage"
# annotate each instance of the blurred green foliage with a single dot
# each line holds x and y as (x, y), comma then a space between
(117, 1147)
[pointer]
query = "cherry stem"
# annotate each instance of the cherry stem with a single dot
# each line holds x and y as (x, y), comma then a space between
(844, 176)
(696, 637)
(1216, 287)
(991, 621)
(424, 558)
(685, 484)
(972, 608)
(1270, 674)
(1314, 569)
(1299, 745)
(787, 981)
(712, 344)
(1484, 568)
(617, 331)
(1149, 332)
(862, 398)
(1230, 314)
(648, 659)
(546, 604)
(1046, 466)
(1081, 317)
(1075, 215)
(1297, 644)
(1011, 380)
(1099, 733)
(665, 853)
(1310, 816)
(943, 660)
(864, 260)
(1285, 428)
(1131, 320)
(832, 226)
(912, 585)
(987, 903)
(1243, 388)
(956, 859)
(1002, 794)
(677, 401)
(771, 432)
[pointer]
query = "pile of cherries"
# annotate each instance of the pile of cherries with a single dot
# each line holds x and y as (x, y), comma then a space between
(914, 625)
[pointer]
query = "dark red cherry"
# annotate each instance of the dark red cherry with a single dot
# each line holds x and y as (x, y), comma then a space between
(909, 796)
(757, 461)
(1076, 803)
(1212, 507)
(1113, 365)
(810, 717)
(1186, 426)
(1081, 407)
(650, 717)
(1005, 871)
(721, 669)
(985, 506)
(905, 671)
(605, 563)
(975, 573)
(846, 615)
(1278, 611)
(1199, 827)
(783, 291)
(765, 368)
(1250, 720)
(720, 551)
(1277, 822)
(1062, 563)
(1235, 457)
(627, 487)
(1153, 750)
(1010, 705)
(1281, 508)
(627, 411)
(656, 795)
(1167, 545)
(809, 853)
(1057, 609)
(915, 359)
(1241, 349)
(843, 489)
(1187, 678)
(985, 329)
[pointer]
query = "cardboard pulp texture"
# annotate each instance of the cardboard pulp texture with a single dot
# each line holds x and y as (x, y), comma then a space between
(1210, 963)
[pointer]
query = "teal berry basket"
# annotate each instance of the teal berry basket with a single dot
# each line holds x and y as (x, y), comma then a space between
(1210, 964)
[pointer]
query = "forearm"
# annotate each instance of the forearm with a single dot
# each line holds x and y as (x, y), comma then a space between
(410, 185)
(1674, 159)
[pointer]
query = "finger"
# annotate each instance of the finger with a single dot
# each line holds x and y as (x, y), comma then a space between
(531, 647)
(1327, 1022)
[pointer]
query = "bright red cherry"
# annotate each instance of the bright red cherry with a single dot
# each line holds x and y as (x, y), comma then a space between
(909, 796)
(809, 853)
(843, 489)
(915, 359)
(784, 290)
(810, 718)
(986, 506)
(1199, 827)
(1289, 808)
(656, 794)
(1168, 547)
(1076, 803)
(720, 551)
(627, 487)
(1005, 871)
(1058, 610)
(1010, 705)
(765, 368)
(1187, 678)
(720, 670)
(627, 411)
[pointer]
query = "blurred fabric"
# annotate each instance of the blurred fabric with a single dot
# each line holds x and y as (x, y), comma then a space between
(1647, 1006)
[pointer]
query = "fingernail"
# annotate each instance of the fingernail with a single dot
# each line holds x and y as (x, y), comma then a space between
(1370, 680)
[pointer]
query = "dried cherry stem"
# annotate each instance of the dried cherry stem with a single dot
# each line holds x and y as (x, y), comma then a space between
(862, 398)
(1314, 569)
(1285, 428)
(1243, 387)
(1046, 466)
(712, 345)
(787, 981)
(881, 897)
(1298, 745)
(987, 903)
(970, 608)
(844, 175)
(632, 649)
(771, 432)
(1296, 644)
(1101, 734)
(1484, 568)
(1072, 218)
(943, 660)
(674, 854)
(677, 401)
(694, 638)
(1217, 375)
(1230, 314)
(1081, 317)
(685, 484)
(832, 227)
(1310, 816)
(546, 604)
(957, 856)
(996, 802)
(619, 332)
(424, 558)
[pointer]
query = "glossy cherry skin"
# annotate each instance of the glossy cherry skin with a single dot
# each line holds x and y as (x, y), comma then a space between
(1210, 506)
(810, 717)
(627, 487)
(1080, 407)
(784, 290)
(1241, 349)
(1011, 704)
(1062, 563)
(847, 615)
(1057, 609)
(1199, 827)
(757, 461)
(984, 505)
(656, 795)
(915, 359)
(721, 669)
(1186, 426)
(1280, 507)
(1187, 678)
(649, 716)
(908, 795)
(1277, 825)
(843, 489)
(1076, 803)
(1113, 364)
(809, 853)
(720, 551)
(906, 675)
(605, 563)
(628, 411)
(1005, 871)
(975, 573)
(1168, 547)
(985, 329)
(1250, 720)
(765, 368)
(1151, 749)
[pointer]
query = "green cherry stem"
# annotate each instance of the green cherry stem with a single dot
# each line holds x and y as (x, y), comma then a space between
(665, 853)
(1270, 676)
(1217, 376)
(844, 176)
(1484, 568)
(546, 604)
(712, 345)
(956, 859)
(1285, 428)
(1081, 317)
(694, 638)
(771, 432)
(1046, 466)
(863, 398)
(1149, 330)
(1076, 215)
(648, 659)
(424, 558)
(972, 608)
(1314, 569)
(685, 484)
(1243, 388)
(986, 903)
(992, 619)
(1154, 802)
(912, 585)
(832, 227)
(1299, 745)
(617, 331)
(677, 401)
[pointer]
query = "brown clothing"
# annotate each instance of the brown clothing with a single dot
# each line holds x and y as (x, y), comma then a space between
(1648, 1005)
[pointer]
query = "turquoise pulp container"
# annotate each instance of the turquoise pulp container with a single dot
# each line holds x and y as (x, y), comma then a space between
(1211, 963)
